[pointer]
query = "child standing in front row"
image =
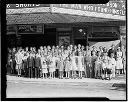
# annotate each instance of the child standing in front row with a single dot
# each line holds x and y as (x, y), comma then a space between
(44, 70)
(109, 70)
(43, 67)
(104, 68)
(67, 67)
(61, 67)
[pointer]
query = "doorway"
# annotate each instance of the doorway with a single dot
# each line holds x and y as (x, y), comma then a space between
(80, 41)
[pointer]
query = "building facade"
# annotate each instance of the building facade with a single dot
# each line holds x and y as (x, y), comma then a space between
(64, 24)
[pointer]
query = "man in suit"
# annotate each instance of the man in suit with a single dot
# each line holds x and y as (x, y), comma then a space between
(13, 64)
(37, 64)
(25, 63)
(30, 61)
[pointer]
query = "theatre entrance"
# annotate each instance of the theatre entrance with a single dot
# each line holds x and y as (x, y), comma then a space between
(37, 40)
(80, 41)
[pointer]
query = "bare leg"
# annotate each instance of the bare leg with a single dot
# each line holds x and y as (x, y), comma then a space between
(68, 74)
(81, 74)
(54, 74)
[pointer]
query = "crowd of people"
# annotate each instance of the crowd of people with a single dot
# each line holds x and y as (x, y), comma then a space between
(73, 61)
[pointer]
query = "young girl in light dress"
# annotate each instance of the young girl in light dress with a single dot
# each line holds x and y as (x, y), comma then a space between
(67, 67)
(104, 68)
(119, 61)
(44, 70)
(44, 67)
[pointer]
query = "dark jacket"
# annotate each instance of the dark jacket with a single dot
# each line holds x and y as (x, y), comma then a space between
(111, 51)
(30, 62)
(37, 62)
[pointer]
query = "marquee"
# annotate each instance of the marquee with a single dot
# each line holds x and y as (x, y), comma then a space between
(111, 10)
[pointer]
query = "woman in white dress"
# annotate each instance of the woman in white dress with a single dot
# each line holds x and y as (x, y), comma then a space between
(19, 59)
(53, 64)
(113, 62)
(80, 65)
(119, 61)
(61, 66)
(98, 65)
(74, 65)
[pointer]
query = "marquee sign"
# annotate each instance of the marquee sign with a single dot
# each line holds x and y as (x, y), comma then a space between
(16, 6)
(26, 8)
(112, 10)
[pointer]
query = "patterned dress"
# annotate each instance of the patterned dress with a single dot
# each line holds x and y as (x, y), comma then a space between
(74, 66)
(43, 65)
(119, 62)
(67, 65)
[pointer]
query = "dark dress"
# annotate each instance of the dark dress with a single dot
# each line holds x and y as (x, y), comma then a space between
(13, 63)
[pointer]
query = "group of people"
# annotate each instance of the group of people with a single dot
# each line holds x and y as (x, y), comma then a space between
(73, 61)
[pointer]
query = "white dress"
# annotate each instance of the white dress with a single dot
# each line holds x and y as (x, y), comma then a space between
(113, 62)
(53, 64)
(119, 62)
(97, 65)
(42, 62)
(74, 66)
(109, 66)
(18, 58)
(44, 68)
(80, 65)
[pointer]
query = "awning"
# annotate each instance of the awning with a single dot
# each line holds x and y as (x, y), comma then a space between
(47, 17)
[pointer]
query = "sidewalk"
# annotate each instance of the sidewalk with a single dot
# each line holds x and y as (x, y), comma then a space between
(64, 81)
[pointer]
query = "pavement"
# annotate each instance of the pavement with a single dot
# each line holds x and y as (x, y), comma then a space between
(21, 87)
(119, 80)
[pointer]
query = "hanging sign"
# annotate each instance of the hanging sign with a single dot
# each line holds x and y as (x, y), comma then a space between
(30, 29)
